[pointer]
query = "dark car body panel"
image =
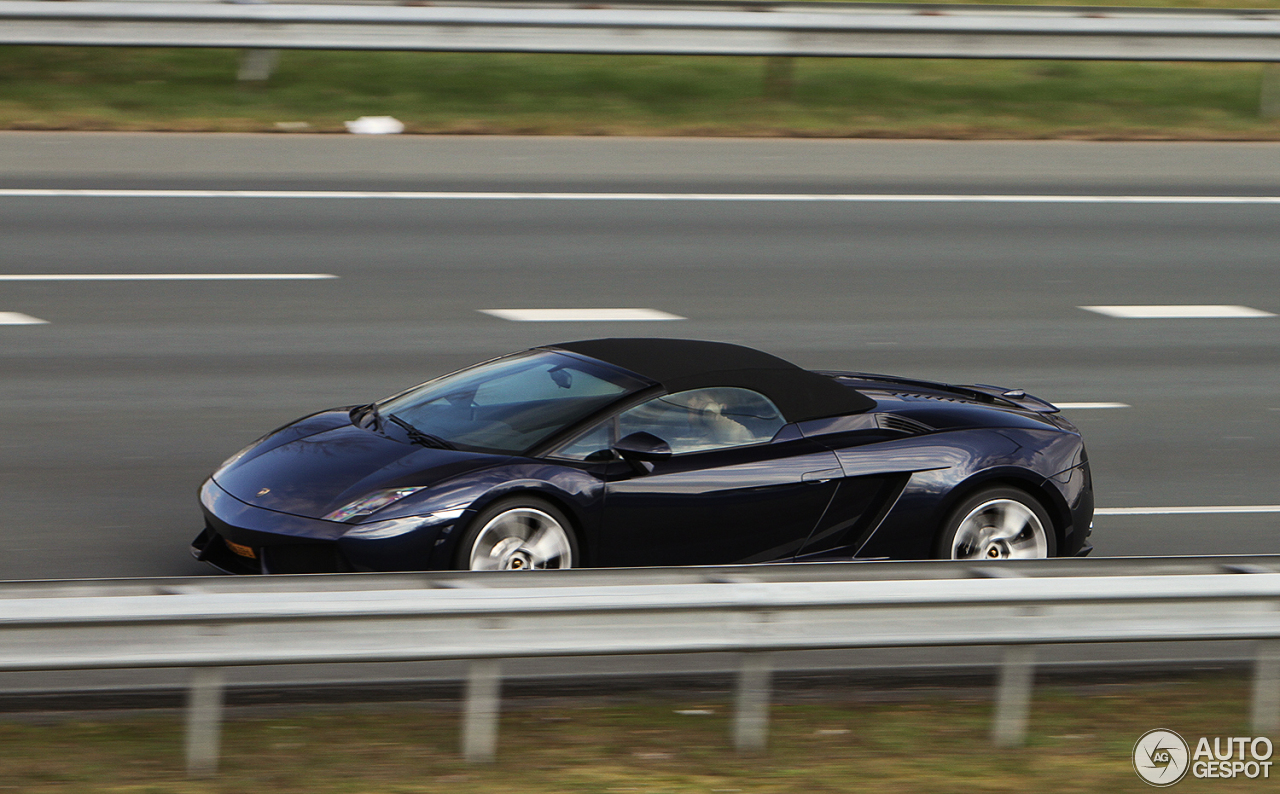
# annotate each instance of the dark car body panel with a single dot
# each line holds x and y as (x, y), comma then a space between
(751, 504)
(313, 475)
(876, 483)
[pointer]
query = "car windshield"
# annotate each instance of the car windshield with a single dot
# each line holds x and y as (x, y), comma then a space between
(512, 403)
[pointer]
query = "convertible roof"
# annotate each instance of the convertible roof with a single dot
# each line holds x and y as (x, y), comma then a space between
(681, 364)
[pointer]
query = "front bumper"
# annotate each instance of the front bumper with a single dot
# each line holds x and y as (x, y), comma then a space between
(212, 548)
(240, 538)
(231, 557)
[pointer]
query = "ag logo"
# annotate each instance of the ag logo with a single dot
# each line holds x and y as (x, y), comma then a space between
(1160, 758)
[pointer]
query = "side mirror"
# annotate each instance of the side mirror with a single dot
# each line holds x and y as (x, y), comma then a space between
(561, 377)
(642, 448)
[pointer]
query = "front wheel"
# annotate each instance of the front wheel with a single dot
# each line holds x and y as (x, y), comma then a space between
(518, 535)
(997, 524)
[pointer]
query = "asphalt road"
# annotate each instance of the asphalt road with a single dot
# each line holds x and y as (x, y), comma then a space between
(115, 409)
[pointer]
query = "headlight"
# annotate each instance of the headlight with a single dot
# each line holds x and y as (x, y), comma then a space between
(394, 527)
(371, 503)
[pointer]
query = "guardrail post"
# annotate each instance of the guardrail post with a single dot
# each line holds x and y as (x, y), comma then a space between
(779, 72)
(1013, 696)
(204, 721)
(257, 65)
(1269, 99)
(1266, 689)
(480, 719)
(751, 717)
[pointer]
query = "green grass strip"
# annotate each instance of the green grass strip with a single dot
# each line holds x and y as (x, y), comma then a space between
(828, 742)
(47, 88)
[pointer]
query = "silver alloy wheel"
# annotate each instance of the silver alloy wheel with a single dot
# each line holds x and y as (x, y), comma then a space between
(522, 538)
(1000, 529)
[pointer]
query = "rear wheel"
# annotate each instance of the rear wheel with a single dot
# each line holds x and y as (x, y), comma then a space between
(997, 524)
(518, 534)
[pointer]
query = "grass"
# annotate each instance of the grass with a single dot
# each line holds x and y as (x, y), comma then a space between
(44, 88)
(834, 743)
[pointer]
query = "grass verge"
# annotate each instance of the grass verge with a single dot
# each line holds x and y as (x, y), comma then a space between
(835, 741)
(45, 88)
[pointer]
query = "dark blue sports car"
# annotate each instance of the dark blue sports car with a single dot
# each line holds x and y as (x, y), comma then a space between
(624, 452)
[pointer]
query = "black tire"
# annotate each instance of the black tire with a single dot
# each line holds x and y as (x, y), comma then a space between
(996, 523)
(498, 537)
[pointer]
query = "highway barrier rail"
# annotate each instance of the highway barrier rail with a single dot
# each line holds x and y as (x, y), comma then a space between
(211, 623)
(832, 30)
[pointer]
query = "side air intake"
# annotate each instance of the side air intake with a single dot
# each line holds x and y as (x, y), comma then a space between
(901, 424)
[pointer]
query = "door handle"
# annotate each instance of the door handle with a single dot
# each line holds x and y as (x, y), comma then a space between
(825, 475)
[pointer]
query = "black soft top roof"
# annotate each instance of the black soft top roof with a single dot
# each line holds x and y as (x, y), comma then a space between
(681, 364)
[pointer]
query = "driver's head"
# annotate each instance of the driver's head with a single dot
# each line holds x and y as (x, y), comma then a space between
(704, 407)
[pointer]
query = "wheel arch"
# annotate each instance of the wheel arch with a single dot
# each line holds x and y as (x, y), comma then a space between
(1033, 485)
(533, 489)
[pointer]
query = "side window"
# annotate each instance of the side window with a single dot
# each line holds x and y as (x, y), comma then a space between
(589, 445)
(705, 419)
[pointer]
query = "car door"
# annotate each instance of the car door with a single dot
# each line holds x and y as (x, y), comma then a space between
(727, 494)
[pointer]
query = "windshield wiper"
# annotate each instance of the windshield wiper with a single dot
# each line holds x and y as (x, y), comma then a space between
(419, 437)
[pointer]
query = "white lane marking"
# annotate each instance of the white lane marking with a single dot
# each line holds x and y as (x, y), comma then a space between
(916, 198)
(17, 318)
(1090, 406)
(167, 277)
(1178, 312)
(1185, 511)
(580, 315)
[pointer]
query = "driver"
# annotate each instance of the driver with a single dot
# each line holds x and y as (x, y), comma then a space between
(707, 415)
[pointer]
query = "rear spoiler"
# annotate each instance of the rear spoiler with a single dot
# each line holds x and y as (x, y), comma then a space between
(1013, 396)
(980, 392)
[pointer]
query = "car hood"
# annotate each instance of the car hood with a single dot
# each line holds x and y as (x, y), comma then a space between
(315, 475)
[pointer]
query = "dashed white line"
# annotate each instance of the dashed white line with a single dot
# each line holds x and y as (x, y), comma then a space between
(1185, 511)
(166, 277)
(580, 315)
(1090, 406)
(1178, 312)
(910, 198)
(17, 318)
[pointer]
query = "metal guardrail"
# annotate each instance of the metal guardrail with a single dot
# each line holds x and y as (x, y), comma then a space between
(752, 610)
(861, 571)
(887, 32)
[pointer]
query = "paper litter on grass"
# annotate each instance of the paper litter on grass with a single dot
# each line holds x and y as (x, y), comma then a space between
(375, 125)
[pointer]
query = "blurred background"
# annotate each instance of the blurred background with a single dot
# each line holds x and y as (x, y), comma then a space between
(942, 218)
